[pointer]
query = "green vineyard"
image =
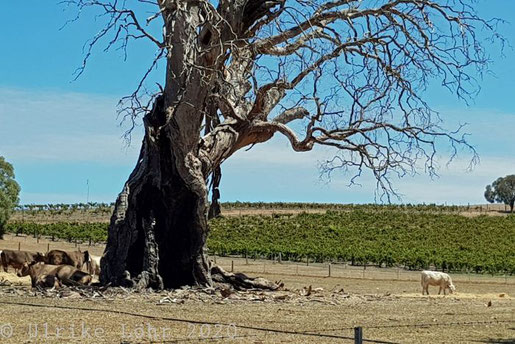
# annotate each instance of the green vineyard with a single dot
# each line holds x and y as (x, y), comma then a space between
(411, 239)
(83, 232)
(382, 236)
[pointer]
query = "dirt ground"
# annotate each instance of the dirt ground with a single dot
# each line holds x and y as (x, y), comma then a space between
(386, 303)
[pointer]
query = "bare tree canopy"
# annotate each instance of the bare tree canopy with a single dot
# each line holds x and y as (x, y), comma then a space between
(348, 74)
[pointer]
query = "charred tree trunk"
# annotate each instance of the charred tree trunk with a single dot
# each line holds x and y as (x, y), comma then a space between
(159, 227)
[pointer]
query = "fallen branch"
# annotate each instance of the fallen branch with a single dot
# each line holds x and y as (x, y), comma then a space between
(241, 281)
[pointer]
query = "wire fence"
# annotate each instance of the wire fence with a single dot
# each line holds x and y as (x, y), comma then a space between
(257, 266)
(264, 332)
(358, 332)
(344, 270)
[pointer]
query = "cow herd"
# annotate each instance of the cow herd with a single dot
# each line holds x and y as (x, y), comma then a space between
(57, 268)
(54, 269)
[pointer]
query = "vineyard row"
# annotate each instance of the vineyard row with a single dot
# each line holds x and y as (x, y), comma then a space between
(414, 240)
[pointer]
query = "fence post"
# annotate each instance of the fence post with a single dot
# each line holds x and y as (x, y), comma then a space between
(280, 258)
(358, 335)
(19, 246)
(232, 265)
(329, 269)
(47, 247)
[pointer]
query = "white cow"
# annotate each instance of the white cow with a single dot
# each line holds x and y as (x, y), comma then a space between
(436, 278)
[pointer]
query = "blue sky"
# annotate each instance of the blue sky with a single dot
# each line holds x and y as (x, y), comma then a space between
(59, 133)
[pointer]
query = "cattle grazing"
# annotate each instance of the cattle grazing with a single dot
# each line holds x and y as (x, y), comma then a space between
(16, 259)
(93, 266)
(436, 278)
(76, 258)
(46, 275)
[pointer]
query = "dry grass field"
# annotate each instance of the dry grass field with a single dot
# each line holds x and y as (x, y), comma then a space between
(387, 303)
(91, 216)
(82, 216)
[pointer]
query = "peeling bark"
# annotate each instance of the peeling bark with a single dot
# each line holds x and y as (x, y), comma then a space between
(159, 226)
(214, 208)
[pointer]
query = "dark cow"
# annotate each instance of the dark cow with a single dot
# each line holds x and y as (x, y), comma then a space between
(16, 259)
(76, 258)
(46, 275)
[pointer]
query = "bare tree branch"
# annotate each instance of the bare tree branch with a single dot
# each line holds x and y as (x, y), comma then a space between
(354, 72)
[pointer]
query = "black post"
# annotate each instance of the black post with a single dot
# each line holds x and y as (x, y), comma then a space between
(358, 335)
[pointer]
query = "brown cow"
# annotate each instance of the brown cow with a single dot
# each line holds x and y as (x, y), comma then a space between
(76, 258)
(46, 275)
(16, 259)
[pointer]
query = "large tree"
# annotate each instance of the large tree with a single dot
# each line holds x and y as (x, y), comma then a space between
(9, 190)
(348, 74)
(502, 190)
